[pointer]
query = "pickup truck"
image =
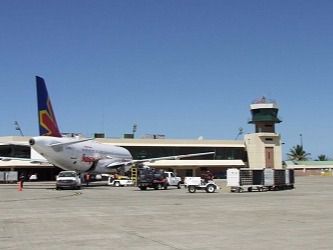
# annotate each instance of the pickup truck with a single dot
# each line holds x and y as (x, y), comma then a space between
(68, 179)
(157, 179)
(151, 178)
(172, 179)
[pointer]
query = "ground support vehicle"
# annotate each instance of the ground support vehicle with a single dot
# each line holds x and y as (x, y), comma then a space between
(151, 178)
(68, 180)
(172, 179)
(119, 181)
(197, 183)
(240, 180)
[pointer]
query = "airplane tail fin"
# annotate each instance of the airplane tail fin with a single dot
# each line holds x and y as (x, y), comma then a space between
(47, 122)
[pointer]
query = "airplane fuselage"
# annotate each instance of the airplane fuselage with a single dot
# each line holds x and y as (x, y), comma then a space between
(79, 155)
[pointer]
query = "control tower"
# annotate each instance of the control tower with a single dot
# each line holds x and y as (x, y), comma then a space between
(264, 145)
(264, 115)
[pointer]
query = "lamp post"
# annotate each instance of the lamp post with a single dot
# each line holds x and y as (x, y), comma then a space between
(17, 127)
(240, 132)
(301, 139)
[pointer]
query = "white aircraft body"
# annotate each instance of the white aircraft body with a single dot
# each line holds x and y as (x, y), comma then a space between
(80, 155)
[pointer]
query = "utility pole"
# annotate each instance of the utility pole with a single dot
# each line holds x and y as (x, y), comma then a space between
(17, 127)
(240, 132)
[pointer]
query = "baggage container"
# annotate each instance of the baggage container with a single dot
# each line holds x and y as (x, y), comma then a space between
(279, 177)
(233, 178)
(283, 179)
(268, 177)
(260, 179)
(290, 178)
(245, 179)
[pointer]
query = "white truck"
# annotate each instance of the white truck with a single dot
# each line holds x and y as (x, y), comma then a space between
(172, 179)
(68, 179)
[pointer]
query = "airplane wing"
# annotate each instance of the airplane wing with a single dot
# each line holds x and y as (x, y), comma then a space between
(135, 162)
(70, 142)
(3, 158)
(174, 157)
(19, 143)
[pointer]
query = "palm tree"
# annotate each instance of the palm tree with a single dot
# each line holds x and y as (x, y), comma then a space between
(322, 158)
(297, 153)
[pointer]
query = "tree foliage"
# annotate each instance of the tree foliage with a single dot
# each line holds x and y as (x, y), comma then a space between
(322, 157)
(298, 153)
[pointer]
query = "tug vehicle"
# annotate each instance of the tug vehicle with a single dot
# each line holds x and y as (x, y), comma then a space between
(197, 183)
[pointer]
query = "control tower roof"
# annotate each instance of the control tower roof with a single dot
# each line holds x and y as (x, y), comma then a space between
(263, 103)
(264, 110)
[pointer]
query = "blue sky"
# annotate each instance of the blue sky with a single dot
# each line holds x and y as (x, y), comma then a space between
(178, 67)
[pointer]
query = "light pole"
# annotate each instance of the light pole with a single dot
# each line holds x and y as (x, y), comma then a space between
(240, 132)
(301, 139)
(17, 127)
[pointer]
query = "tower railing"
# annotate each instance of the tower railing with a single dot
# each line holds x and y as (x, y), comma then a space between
(263, 100)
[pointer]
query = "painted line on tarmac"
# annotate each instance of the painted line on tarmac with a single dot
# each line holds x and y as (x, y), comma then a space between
(43, 198)
(152, 240)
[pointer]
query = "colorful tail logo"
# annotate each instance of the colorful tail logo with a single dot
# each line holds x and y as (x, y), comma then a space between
(47, 122)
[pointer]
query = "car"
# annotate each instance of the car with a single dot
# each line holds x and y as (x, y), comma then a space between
(120, 181)
(68, 180)
(33, 177)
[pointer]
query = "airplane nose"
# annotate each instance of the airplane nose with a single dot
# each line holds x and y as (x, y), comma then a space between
(32, 142)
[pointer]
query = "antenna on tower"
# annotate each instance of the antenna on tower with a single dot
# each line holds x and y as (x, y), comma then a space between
(134, 129)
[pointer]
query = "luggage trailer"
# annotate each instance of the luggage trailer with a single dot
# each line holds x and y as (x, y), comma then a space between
(245, 179)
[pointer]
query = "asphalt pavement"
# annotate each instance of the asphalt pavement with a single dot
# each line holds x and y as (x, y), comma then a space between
(103, 217)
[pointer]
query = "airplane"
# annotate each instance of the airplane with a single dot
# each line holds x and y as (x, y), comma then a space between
(81, 155)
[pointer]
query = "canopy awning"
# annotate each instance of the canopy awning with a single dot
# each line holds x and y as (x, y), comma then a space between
(196, 163)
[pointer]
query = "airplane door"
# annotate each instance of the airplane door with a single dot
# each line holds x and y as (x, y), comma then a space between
(69, 151)
(72, 155)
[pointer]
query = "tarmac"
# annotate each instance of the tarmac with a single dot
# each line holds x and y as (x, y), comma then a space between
(103, 217)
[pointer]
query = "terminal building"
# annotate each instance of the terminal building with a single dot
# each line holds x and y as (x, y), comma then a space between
(260, 149)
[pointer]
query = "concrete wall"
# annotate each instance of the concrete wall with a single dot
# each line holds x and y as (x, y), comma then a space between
(311, 172)
(256, 144)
